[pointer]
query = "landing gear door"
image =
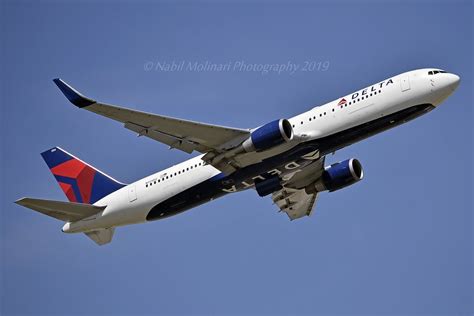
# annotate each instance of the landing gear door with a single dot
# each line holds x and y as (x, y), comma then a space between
(405, 83)
(132, 193)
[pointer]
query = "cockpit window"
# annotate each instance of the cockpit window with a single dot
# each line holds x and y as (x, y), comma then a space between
(434, 72)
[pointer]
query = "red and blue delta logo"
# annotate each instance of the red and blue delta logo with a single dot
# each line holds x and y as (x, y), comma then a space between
(342, 102)
(80, 182)
(75, 179)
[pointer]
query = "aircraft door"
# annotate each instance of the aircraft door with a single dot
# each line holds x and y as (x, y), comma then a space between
(132, 193)
(405, 83)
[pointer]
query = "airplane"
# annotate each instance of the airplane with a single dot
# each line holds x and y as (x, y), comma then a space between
(283, 159)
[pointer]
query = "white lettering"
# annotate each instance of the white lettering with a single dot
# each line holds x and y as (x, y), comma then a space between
(247, 185)
(291, 165)
(274, 172)
(231, 190)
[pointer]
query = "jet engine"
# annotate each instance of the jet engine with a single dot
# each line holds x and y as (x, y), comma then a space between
(337, 176)
(262, 138)
(269, 135)
(268, 186)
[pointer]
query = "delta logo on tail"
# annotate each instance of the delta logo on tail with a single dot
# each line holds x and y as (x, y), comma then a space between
(80, 182)
(75, 179)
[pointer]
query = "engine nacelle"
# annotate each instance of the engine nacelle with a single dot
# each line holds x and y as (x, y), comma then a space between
(338, 176)
(268, 186)
(269, 135)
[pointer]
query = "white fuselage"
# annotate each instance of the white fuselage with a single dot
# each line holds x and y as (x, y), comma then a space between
(131, 204)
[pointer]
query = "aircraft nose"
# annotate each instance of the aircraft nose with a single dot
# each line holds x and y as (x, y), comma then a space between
(443, 85)
(453, 81)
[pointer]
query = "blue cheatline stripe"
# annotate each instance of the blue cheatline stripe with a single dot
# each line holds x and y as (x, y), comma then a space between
(212, 188)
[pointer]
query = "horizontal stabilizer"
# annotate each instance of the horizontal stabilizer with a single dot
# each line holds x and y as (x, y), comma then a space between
(101, 236)
(64, 211)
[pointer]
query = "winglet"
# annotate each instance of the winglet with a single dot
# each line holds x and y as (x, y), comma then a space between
(72, 94)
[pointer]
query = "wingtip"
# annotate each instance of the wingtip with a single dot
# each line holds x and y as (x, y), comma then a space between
(20, 201)
(72, 94)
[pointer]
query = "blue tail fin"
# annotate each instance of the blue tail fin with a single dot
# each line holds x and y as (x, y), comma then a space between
(80, 182)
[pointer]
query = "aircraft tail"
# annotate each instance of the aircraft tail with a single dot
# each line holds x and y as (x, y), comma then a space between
(80, 181)
(70, 212)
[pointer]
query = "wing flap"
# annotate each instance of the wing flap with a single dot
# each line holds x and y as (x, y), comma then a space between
(64, 211)
(295, 203)
(206, 135)
(169, 140)
(293, 199)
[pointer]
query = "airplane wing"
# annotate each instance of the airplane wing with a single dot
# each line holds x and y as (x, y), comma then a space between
(64, 211)
(176, 133)
(292, 198)
(295, 203)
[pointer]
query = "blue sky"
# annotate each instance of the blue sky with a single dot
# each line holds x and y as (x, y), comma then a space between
(399, 242)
